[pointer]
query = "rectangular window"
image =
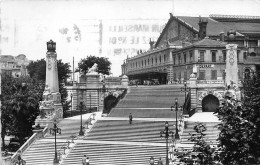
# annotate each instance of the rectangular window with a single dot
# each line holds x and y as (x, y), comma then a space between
(185, 75)
(184, 56)
(174, 76)
(224, 55)
(191, 56)
(202, 75)
(223, 74)
(174, 59)
(179, 58)
(238, 52)
(213, 74)
(202, 56)
(179, 76)
(244, 54)
(213, 56)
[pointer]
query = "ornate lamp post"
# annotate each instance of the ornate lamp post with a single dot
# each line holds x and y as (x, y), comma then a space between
(81, 133)
(185, 89)
(104, 91)
(71, 95)
(90, 102)
(177, 137)
(151, 160)
(166, 132)
(19, 160)
(54, 131)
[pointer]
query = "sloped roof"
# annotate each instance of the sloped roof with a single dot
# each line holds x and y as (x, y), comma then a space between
(243, 27)
(209, 42)
(213, 27)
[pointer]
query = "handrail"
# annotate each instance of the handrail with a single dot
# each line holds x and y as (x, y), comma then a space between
(72, 137)
(27, 144)
(66, 146)
(24, 147)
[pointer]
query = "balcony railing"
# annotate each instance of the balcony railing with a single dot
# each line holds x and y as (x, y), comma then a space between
(210, 81)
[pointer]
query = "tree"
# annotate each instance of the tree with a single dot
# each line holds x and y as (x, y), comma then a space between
(37, 70)
(85, 64)
(240, 127)
(205, 152)
(20, 106)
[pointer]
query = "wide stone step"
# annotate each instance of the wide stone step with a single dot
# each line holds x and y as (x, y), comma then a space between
(108, 154)
(41, 153)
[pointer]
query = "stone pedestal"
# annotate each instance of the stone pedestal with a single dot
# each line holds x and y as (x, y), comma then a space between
(124, 81)
(193, 86)
(92, 80)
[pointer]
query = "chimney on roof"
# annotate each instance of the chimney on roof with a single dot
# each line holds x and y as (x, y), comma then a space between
(222, 36)
(151, 44)
(202, 28)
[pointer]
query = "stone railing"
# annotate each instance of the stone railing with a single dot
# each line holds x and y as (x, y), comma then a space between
(28, 143)
(210, 81)
(64, 150)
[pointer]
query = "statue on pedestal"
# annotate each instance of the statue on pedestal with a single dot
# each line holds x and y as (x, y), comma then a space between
(93, 69)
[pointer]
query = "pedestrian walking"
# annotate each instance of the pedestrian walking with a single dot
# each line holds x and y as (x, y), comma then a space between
(84, 162)
(160, 161)
(130, 118)
(87, 161)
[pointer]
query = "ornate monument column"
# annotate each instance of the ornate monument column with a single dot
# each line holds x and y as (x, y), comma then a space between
(231, 65)
(50, 106)
(51, 67)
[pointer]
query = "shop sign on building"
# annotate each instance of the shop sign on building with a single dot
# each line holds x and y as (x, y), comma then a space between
(207, 66)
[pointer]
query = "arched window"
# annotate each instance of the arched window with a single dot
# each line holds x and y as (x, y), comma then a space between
(247, 73)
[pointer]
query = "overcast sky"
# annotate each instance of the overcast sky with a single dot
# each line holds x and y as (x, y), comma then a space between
(28, 24)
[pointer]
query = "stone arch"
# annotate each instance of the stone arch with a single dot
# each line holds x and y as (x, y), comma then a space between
(210, 103)
(252, 54)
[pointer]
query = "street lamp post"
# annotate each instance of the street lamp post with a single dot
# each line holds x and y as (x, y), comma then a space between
(55, 130)
(19, 160)
(104, 91)
(185, 89)
(177, 136)
(81, 106)
(166, 132)
(90, 102)
(71, 95)
(81, 133)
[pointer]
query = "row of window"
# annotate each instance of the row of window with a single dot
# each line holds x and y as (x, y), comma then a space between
(147, 62)
(177, 59)
(202, 75)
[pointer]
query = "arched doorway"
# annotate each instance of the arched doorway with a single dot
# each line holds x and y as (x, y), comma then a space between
(210, 103)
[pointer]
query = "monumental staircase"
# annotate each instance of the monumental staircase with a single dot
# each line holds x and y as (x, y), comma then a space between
(111, 140)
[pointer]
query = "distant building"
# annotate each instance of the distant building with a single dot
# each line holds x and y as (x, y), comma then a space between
(197, 45)
(14, 65)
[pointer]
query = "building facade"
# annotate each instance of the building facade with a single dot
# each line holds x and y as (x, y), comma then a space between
(197, 45)
(14, 65)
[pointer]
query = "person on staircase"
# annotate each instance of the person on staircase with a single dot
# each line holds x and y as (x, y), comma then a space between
(87, 161)
(130, 118)
(84, 162)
